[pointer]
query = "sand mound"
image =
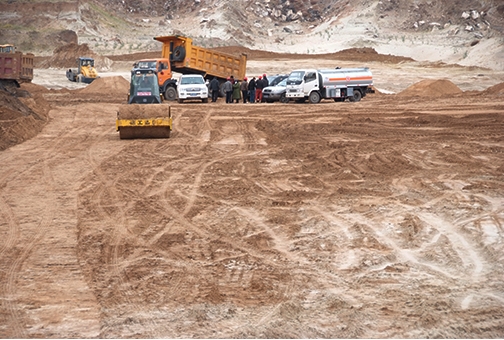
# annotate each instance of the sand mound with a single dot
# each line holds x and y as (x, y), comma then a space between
(431, 88)
(22, 116)
(115, 85)
(496, 90)
(66, 57)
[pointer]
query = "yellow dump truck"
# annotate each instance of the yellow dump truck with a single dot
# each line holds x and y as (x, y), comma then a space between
(180, 55)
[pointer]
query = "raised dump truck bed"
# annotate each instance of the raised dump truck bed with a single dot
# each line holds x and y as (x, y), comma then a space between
(187, 58)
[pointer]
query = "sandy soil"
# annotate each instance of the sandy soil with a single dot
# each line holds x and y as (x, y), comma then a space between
(377, 219)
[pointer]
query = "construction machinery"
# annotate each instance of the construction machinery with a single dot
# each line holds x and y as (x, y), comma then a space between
(85, 71)
(338, 84)
(179, 55)
(144, 115)
(15, 67)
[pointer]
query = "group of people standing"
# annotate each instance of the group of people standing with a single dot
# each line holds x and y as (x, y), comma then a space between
(236, 91)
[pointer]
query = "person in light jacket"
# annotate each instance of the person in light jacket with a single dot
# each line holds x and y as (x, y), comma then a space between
(227, 87)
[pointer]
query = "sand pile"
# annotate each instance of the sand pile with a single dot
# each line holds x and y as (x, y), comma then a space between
(496, 90)
(431, 88)
(66, 57)
(22, 116)
(110, 86)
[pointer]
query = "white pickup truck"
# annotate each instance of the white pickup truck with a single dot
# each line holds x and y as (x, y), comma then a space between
(192, 87)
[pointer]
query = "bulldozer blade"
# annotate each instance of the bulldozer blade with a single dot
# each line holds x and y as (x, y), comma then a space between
(144, 121)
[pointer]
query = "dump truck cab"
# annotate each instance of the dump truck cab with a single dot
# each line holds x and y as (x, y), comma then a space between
(7, 48)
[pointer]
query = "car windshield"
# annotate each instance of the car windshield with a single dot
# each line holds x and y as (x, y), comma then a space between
(283, 83)
(277, 80)
(191, 80)
(295, 78)
(146, 64)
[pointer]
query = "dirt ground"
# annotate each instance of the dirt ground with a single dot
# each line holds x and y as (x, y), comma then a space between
(377, 219)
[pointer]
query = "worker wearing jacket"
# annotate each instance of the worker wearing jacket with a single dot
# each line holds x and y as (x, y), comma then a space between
(236, 92)
(228, 90)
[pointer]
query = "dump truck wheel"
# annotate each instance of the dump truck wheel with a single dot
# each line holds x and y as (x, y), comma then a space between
(170, 93)
(314, 97)
(357, 95)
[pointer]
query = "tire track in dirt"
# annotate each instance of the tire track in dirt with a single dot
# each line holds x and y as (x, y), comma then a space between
(26, 247)
(15, 317)
(119, 229)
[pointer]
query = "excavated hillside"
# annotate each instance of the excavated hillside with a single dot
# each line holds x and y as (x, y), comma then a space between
(468, 32)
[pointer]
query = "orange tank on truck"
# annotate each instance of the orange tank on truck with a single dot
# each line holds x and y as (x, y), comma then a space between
(15, 67)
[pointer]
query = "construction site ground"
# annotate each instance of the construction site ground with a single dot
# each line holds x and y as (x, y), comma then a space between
(377, 219)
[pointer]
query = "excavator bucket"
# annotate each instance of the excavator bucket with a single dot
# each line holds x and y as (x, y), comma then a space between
(144, 121)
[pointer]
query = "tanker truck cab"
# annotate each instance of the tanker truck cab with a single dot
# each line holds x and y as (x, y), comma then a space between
(337, 84)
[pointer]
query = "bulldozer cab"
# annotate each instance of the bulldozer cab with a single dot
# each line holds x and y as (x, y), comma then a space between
(144, 88)
(7, 48)
(86, 62)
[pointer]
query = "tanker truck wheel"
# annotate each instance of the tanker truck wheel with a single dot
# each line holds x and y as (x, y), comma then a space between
(314, 97)
(357, 95)
(170, 93)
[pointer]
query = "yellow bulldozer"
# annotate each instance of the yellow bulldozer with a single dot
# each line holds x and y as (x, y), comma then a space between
(144, 116)
(85, 71)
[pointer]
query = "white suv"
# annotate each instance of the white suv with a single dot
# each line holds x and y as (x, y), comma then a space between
(192, 86)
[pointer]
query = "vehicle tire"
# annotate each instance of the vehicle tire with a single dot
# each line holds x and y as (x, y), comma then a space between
(205, 100)
(179, 53)
(283, 98)
(357, 95)
(314, 97)
(170, 93)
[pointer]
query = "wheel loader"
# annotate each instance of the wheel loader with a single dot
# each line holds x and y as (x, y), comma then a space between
(144, 116)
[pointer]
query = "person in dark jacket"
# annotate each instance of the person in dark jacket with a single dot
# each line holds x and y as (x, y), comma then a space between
(265, 80)
(252, 89)
(214, 89)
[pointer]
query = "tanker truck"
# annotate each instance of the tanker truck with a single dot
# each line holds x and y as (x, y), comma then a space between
(338, 84)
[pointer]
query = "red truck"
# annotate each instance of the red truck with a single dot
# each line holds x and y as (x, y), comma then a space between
(15, 67)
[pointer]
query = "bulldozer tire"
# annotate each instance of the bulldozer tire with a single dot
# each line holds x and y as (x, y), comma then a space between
(170, 93)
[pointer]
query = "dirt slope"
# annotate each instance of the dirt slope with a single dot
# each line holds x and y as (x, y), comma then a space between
(376, 219)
